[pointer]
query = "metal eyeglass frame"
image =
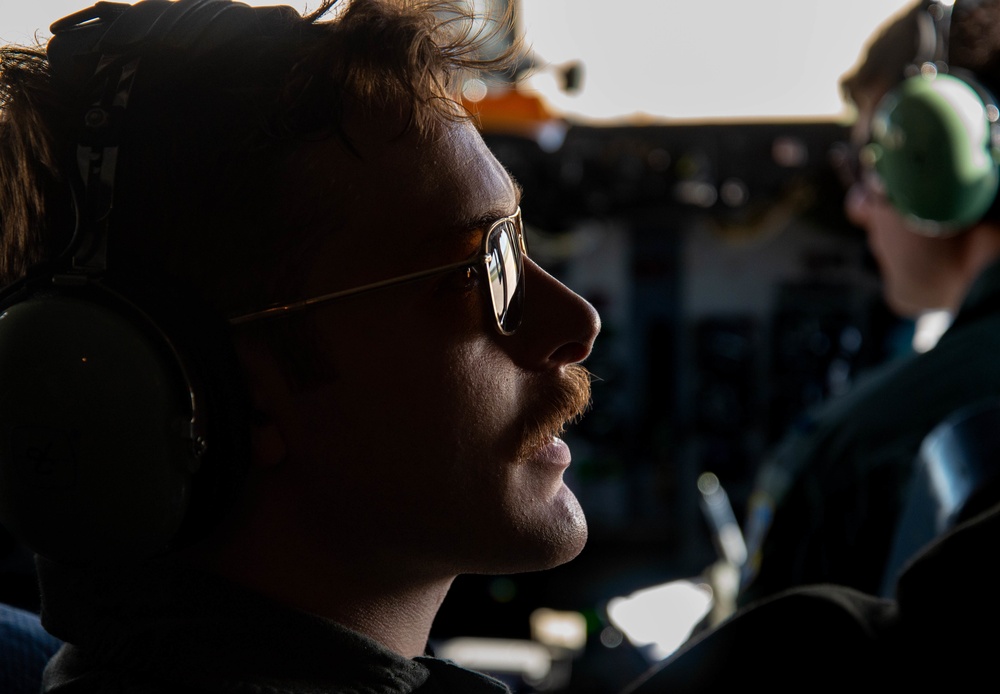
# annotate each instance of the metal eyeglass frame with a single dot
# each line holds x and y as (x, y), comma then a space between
(484, 256)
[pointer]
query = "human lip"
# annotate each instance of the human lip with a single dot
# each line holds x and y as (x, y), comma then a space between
(555, 453)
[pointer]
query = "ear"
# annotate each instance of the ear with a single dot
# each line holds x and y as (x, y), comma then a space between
(270, 399)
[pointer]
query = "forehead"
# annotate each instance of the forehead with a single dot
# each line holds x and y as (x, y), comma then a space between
(399, 201)
(448, 172)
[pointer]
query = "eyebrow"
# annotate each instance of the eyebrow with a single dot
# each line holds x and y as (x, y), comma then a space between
(484, 220)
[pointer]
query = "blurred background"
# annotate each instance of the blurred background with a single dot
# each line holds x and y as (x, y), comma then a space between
(680, 164)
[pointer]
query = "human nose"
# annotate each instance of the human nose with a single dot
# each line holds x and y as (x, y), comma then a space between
(559, 326)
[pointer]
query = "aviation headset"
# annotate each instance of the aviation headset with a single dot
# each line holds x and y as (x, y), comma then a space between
(123, 422)
(935, 137)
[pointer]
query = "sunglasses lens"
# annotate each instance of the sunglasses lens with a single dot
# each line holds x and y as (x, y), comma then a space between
(506, 282)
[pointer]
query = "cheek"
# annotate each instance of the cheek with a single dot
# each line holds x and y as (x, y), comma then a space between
(469, 400)
(422, 395)
(856, 205)
(442, 452)
(880, 241)
(891, 243)
(414, 396)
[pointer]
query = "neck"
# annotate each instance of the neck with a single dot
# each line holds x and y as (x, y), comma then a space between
(400, 620)
(376, 593)
(980, 247)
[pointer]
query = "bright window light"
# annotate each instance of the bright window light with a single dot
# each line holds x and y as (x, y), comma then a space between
(716, 59)
(929, 328)
(559, 629)
(531, 660)
(661, 617)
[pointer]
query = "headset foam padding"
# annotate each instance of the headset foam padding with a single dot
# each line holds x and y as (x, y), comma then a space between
(933, 150)
(96, 461)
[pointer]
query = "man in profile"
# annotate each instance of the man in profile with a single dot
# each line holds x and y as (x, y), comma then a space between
(828, 500)
(201, 177)
(935, 631)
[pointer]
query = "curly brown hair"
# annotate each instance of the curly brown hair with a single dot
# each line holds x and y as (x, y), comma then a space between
(204, 178)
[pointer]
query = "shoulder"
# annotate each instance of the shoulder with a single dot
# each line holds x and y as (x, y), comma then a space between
(20, 626)
(892, 407)
(25, 647)
(830, 632)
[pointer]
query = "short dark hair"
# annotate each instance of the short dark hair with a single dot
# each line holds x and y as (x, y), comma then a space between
(974, 46)
(205, 180)
(886, 56)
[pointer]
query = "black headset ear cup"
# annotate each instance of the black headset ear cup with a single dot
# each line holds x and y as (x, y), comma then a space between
(123, 420)
(98, 457)
(94, 458)
(933, 146)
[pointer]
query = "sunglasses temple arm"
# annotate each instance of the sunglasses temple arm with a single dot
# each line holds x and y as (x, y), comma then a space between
(284, 309)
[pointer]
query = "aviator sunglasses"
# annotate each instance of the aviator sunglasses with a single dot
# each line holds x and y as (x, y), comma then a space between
(502, 257)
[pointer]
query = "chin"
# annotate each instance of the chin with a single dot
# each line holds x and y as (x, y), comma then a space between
(575, 525)
(553, 536)
(901, 307)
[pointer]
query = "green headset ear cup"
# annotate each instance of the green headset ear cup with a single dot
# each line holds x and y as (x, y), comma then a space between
(934, 150)
(93, 457)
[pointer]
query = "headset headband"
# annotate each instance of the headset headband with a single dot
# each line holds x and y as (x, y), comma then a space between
(117, 398)
(102, 45)
(935, 33)
(114, 28)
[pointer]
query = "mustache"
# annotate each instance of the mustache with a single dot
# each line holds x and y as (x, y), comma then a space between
(561, 402)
